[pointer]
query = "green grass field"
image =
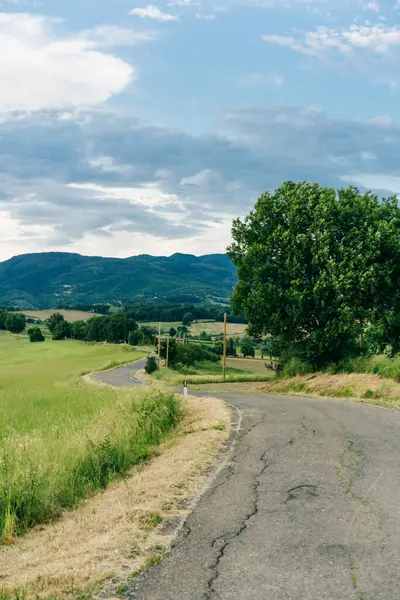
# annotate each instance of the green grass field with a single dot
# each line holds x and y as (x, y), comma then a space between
(250, 365)
(62, 438)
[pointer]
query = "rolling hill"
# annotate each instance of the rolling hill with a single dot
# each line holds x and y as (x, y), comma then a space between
(47, 279)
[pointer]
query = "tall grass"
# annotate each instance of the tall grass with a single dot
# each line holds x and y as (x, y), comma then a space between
(39, 478)
(60, 439)
(379, 364)
(382, 365)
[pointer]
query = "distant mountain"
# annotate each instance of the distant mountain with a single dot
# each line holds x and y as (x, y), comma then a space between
(47, 279)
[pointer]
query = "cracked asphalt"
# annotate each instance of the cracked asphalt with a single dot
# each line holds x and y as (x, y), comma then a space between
(307, 507)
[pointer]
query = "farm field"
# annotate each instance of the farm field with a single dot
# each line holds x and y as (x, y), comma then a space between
(61, 439)
(211, 327)
(250, 365)
(69, 315)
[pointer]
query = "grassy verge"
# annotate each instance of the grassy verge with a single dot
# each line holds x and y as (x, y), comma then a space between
(363, 387)
(109, 539)
(61, 440)
(207, 373)
(381, 365)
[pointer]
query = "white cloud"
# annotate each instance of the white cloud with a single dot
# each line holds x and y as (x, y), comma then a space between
(374, 6)
(206, 17)
(382, 121)
(153, 12)
(148, 195)
(205, 177)
(378, 38)
(260, 79)
(112, 35)
(180, 3)
(40, 70)
(375, 181)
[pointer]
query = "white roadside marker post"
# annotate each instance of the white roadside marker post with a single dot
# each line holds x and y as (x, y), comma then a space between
(185, 389)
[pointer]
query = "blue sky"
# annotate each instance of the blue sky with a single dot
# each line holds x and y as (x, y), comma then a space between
(132, 127)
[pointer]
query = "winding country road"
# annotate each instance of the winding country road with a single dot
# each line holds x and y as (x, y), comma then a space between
(308, 507)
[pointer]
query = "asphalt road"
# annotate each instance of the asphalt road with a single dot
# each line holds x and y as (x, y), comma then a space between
(123, 376)
(308, 507)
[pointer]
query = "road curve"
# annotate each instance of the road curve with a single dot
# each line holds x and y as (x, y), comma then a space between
(124, 376)
(308, 507)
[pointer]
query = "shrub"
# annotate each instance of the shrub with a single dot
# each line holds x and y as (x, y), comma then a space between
(187, 319)
(151, 365)
(248, 347)
(189, 354)
(35, 334)
(219, 348)
(295, 366)
(135, 338)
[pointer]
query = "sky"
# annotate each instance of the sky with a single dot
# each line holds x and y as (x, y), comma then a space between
(129, 128)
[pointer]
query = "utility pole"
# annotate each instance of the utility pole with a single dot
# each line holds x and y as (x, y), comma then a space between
(224, 365)
(159, 345)
(166, 362)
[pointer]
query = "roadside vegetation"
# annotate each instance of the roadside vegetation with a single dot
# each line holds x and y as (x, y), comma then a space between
(60, 439)
(318, 272)
(105, 542)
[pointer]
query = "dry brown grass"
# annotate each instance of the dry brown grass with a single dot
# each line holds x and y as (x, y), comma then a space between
(110, 536)
(212, 328)
(327, 384)
(233, 329)
(358, 387)
(69, 315)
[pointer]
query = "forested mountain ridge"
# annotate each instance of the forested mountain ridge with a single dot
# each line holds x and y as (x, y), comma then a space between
(48, 279)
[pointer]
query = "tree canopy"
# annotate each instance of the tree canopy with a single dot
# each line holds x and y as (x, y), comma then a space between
(15, 322)
(316, 265)
(35, 334)
(187, 319)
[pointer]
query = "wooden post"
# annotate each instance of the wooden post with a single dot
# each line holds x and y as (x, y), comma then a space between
(159, 345)
(166, 363)
(224, 364)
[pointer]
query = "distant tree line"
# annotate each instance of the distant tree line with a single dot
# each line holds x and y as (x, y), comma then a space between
(114, 329)
(180, 354)
(168, 311)
(98, 309)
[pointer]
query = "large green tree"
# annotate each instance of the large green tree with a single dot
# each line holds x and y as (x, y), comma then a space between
(79, 330)
(119, 327)
(15, 322)
(62, 330)
(315, 265)
(54, 320)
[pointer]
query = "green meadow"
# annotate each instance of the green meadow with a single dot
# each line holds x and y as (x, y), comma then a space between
(62, 438)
